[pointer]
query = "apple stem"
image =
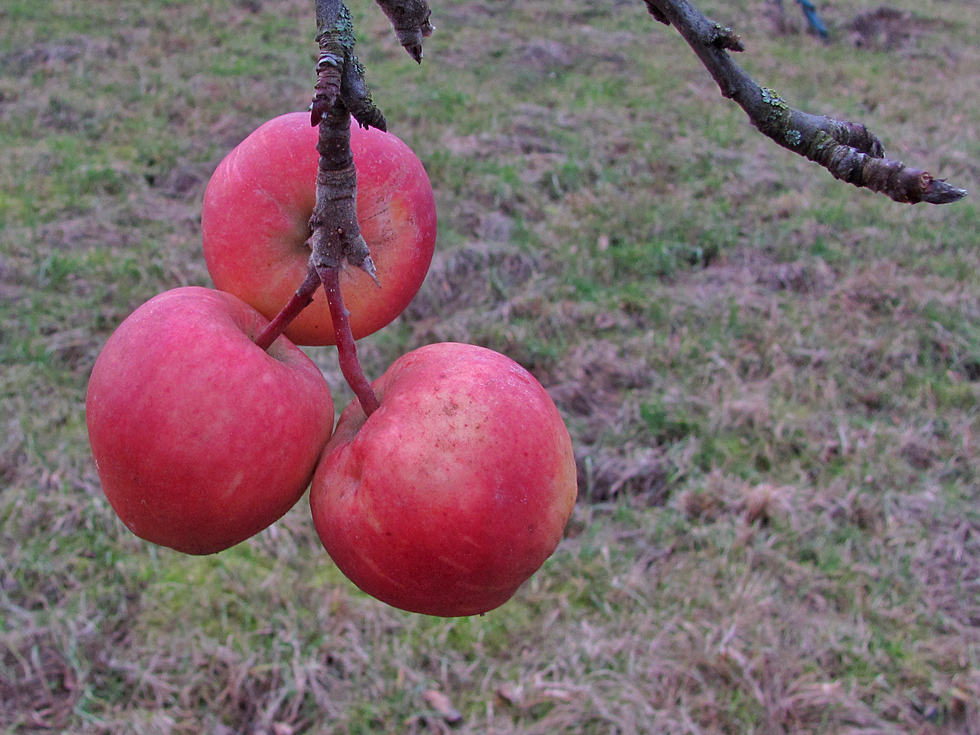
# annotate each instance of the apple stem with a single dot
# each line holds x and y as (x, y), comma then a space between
(300, 300)
(350, 366)
(335, 237)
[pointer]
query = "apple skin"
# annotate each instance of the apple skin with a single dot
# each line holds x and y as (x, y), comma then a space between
(452, 493)
(255, 225)
(200, 438)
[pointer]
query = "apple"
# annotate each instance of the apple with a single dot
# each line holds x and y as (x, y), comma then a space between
(255, 225)
(201, 439)
(452, 493)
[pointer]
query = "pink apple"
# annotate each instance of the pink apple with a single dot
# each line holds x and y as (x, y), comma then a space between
(454, 491)
(255, 225)
(201, 439)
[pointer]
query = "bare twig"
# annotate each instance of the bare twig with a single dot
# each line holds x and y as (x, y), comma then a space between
(848, 150)
(410, 19)
(336, 237)
(335, 36)
(340, 86)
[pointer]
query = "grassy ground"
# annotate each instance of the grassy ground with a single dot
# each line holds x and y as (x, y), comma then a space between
(771, 378)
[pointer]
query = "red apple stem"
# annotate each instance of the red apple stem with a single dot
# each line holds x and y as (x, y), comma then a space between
(350, 366)
(300, 300)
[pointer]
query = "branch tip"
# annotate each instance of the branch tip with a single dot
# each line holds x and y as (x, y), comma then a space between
(410, 20)
(937, 191)
(848, 150)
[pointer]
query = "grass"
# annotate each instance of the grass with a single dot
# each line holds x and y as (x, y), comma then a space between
(771, 378)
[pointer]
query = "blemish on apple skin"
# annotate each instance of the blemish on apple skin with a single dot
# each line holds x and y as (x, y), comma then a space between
(381, 572)
(235, 483)
(458, 566)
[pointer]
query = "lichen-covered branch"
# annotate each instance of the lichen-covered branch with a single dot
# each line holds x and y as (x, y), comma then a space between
(848, 150)
(339, 74)
(335, 36)
(410, 19)
(339, 93)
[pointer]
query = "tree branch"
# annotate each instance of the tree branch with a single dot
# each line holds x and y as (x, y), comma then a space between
(335, 36)
(848, 150)
(339, 73)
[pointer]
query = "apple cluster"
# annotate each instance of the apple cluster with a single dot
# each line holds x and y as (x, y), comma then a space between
(442, 501)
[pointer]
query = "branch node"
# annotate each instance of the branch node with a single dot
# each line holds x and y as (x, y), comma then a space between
(726, 38)
(657, 13)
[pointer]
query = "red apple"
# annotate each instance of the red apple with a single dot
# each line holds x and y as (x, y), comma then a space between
(255, 227)
(454, 491)
(201, 439)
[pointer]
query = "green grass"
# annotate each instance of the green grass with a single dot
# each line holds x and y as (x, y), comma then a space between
(771, 378)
